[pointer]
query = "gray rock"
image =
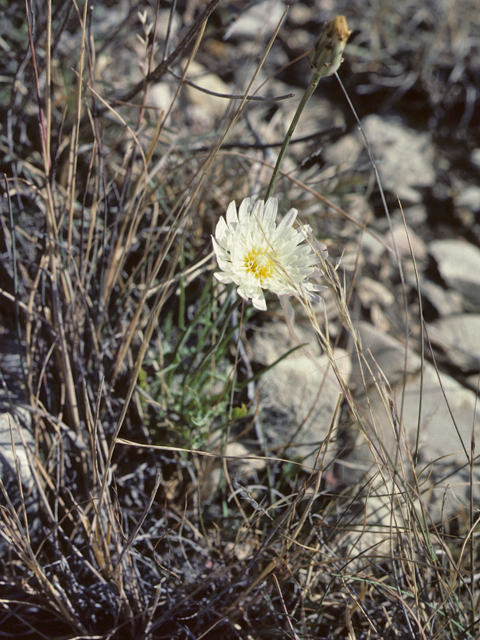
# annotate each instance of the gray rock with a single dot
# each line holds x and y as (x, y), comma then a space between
(344, 153)
(395, 409)
(368, 534)
(459, 265)
(405, 157)
(372, 248)
(415, 215)
(299, 395)
(371, 291)
(406, 244)
(469, 198)
(16, 438)
(475, 157)
(446, 421)
(160, 96)
(262, 17)
(272, 341)
(15, 427)
(446, 302)
(459, 337)
(241, 461)
(205, 106)
(164, 16)
(383, 358)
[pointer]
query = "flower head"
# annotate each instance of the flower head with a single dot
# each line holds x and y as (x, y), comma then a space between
(255, 253)
(326, 55)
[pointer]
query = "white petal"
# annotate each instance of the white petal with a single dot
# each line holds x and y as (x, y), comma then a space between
(221, 230)
(291, 247)
(220, 252)
(254, 292)
(231, 213)
(259, 302)
(316, 287)
(270, 210)
(305, 261)
(244, 209)
(223, 277)
(216, 246)
(257, 212)
(321, 248)
(287, 221)
(225, 265)
(242, 293)
(313, 297)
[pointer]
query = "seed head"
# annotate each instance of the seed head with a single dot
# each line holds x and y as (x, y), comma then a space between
(326, 55)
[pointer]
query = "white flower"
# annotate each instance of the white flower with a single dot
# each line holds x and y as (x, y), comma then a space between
(256, 253)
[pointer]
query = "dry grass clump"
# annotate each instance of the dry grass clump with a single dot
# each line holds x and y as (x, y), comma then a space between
(138, 522)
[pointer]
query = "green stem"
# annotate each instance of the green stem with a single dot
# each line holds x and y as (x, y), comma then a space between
(306, 97)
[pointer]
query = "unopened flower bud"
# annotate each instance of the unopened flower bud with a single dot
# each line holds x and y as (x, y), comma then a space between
(326, 55)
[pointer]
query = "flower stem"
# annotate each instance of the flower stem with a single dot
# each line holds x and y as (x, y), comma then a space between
(306, 97)
(324, 60)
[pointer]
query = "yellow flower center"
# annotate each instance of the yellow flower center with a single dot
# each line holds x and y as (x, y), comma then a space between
(259, 263)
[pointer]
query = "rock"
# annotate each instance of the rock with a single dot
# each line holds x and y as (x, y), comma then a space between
(415, 215)
(262, 17)
(105, 20)
(208, 107)
(299, 14)
(406, 244)
(459, 265)
(459, 337)
(344, 153)
(469, 198)
(384, 358)
(368, 535)
(404, 157)
(446, 302)
(16, 438)
(242, 464)
(160, 96)
(15, 426)
(241, 461)
(373, 248)
(370, 291)
(272, 341)
(393, 410)
(444, 442)
(475, 157)
(164, 16)
(298, 396)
